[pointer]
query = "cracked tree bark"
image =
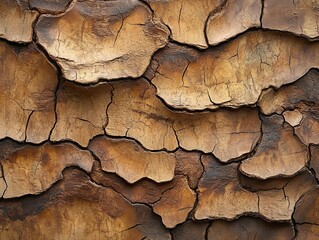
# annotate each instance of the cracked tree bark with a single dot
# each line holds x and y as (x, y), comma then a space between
(159, 119)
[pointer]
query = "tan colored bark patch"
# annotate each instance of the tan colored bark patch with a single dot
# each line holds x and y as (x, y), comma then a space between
(102, 39)
(81, 112)
(135, 112)
(298, 17)
(220, 194)
(130, 161)
(78, 208)
(279, 204)
(293, 117)
(280, 153)
(307, 131)
(28, 82)
(32, 170)
(233, 74)
(231, 18)
(185, 18)
(16, 21)
(175, 204)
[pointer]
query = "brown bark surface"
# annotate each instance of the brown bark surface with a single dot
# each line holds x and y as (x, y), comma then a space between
(159, 119)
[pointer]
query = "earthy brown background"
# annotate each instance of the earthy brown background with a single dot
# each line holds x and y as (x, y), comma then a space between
(159, 119)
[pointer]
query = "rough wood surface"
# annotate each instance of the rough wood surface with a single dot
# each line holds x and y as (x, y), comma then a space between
(232, 74)
(94, 39)
(159, 119)
(28, 82)
(298, 17)
(279, 153)
(16, 21)
(135, 112)
(80, 112)
(130, 161)
(32, 170)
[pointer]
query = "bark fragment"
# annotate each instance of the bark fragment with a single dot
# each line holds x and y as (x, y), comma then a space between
(130, 161)
(231, 18)
(185, 18)
(78, 208)
(16, 21)
(102, 39)
(32, 170)
(28, 82)
(135, 112)
(81, 112)
(280, 153)
(293, 117)
(175, 204)
(302, 96)
(220, 194)
(298, 17)
(188, 164)
(173, 200)
(232, 74)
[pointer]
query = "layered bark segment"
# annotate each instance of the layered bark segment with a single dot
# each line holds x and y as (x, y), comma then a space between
(278, 204)
(32, 170)
(288, 97)
(28, 83)
(250, 229)
(302, 97)
(231, 18)
(280, 153)
(220, 194)
(129, 160)
(78, 208)
(16, 21)
(81, 112)
(185, 18)
(189, 21)
(135, 112)
(102, 39)
(173, 200)
(175, 203)
(233, 74)
(298, 17)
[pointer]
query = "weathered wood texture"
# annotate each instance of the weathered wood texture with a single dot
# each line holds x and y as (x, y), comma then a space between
(159, 119)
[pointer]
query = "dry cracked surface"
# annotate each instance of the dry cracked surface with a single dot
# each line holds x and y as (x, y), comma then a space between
(159, 119)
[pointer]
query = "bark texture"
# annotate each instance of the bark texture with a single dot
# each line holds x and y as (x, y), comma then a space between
(159, 119)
